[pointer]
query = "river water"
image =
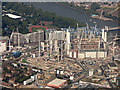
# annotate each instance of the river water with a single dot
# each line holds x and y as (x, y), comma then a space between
(61, 10)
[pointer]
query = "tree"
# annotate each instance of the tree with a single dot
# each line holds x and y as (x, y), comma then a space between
(68, 81)
(95, 6)
(25, 23)
(37, 15)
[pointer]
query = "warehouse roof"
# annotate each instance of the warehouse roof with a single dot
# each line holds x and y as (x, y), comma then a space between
(56, 83)
(13, 16)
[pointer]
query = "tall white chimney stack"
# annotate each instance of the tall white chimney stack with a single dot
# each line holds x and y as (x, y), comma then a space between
(68, 41)
(103, 32)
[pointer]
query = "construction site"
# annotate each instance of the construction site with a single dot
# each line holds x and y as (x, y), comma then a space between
(78, 43)
(67, 53)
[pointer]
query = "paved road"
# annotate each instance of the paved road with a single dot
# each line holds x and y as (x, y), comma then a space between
(78, 63)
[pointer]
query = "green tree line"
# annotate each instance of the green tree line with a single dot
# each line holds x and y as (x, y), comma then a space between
(30, 15)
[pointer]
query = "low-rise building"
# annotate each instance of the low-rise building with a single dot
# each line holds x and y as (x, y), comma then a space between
(28, 81)
(57, 83)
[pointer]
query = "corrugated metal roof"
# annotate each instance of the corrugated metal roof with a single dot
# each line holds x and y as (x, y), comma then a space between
(56, 82)
(13, 16)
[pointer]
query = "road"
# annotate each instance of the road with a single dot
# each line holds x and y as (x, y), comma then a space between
(78, 63)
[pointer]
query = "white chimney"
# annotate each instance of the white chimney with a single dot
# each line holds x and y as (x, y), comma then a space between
(42, 44)
(103, 32)
(68, 41)
(55, 44)
(105, 37)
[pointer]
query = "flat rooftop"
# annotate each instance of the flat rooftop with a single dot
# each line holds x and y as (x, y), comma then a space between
(57, 83)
